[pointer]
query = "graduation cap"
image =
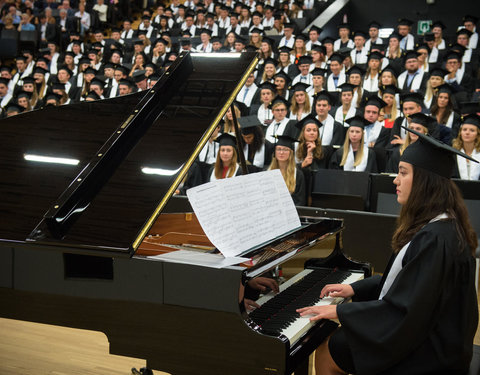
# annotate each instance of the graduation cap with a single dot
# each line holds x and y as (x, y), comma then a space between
(375, 56)
(429, 37)
(282, 74)
(470, 18)
(411, 55)
(53, 96)
(318, 72)
(185, 41)
(337, 57)
(421, 46)
(357, 121)
(389, 89)
(257, 14)
(328, 40)
(345, 52)
(464, 31)
(320, 49)
(90, 70)
(355, 70)
(278, 100)
(405, 22)
(300, 87)
(467, 108)
(391, 69)
(227, 139)
(4, 81)
(93, 95)
(373, 100)
(240, 39)
(21, 58)
(139, 75)
(304, 60)
(271, 42)
(13, 107)
(446, 89)
(374, 25)
(316, 28)
(284, 49)
(146, 17)
(431, 155)
(24, 94)
(285, 141)
(126, 82)
(310, 119)
(395, 35)
(141, 32)
(268, 85)
(138, 42)
(29, 80)
(84, 60)
(426, 121)
(323, 95)
(251, 48)
(360, 33)
(453, 55)
(343, 25)
(471, 119)
(248, 124)
(412, 97)
(438, 72)
(256, 30)
(439, 24)
(347, 87)
(206, 31)
(77, 43)
(58, 86)
(288, 25)
(67, 69)
(98, 82)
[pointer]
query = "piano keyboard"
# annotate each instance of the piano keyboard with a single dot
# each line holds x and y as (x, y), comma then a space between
(277, 312)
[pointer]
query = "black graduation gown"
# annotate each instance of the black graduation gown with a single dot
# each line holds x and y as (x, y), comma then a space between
(426, 322)
(392, 163)
(298, 196)
(336, 159)
(267, 160)
(339, 132)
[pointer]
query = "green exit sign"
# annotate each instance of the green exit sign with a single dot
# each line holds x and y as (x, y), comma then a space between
(423, 27)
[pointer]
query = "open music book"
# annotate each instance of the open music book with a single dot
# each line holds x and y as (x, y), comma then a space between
(242, 213)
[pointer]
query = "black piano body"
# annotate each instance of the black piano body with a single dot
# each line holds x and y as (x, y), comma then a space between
(76, 228)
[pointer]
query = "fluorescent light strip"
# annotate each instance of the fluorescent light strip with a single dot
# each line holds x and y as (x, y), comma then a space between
(50, 159)
(160, 171)
(218, 55)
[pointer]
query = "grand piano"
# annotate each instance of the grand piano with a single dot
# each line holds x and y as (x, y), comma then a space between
(83, 193)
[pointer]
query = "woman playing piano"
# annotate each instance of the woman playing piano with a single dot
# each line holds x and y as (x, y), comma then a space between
(421, 316)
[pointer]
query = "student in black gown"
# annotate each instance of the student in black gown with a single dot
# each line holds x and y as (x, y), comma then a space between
(354, 155)
(419, 122)
(226, 165)
(443, 109)
(258, 151)
(420, 317)
(468, 141)
(284, 159)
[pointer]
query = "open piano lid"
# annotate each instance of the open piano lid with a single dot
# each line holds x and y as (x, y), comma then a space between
(129, 154)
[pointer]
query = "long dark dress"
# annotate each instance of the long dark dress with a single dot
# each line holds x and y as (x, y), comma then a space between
(426, 322)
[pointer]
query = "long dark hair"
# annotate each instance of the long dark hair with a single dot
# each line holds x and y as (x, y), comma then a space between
(258, 141)
(448, 109)
(432, 195)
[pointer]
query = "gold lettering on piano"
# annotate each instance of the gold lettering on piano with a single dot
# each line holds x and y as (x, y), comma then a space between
(271, 369)
(126, 122)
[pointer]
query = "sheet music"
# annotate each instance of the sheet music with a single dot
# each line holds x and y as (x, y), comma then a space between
(240, 213)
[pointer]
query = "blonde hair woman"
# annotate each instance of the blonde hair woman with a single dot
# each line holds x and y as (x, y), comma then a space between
(228, 126)
(284, 159)
(435, 80)
(468, 141)
(354, 155)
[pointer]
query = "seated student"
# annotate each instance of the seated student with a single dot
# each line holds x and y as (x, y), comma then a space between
(336, 77)
(419, 122)
(468, 142)
(354, 155)
(286, 64)
(318, 82)
(258, 152)
(284, 159)
(281, 122)
(443, 109)
(282, 82)
(372, 105)
(390, 112)
(331, 132)
(228, 126)
(300, 107)
(391, 138)
(371, 78)
(310, 154)
(226, 165)
(435, 80)
(208, 155)
(405, 322)
(346, 109)
(394, 52)
(458, 77)
(354, 77)
(263, 111)
(413, 79)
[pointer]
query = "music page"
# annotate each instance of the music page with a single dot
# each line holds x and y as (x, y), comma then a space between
(240, 213)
